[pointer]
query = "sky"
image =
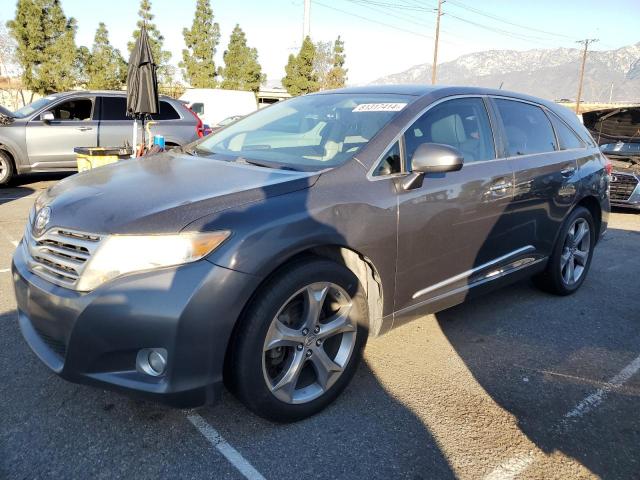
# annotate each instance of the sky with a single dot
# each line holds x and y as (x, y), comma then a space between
(381, 36)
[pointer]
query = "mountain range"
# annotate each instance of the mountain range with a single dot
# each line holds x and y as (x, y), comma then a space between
(547, 73)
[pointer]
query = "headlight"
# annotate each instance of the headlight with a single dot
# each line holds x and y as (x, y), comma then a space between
(122, 254)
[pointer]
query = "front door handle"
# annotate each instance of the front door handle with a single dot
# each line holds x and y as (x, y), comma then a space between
(84, 129)
(500, 187)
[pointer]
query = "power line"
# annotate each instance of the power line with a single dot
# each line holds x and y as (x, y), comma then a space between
(503, 20)
(388, 25)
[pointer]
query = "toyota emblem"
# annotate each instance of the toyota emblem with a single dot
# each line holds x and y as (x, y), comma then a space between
(41, 221)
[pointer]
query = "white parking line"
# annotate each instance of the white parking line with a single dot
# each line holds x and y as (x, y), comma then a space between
(596, 398)
(514, 466)
(5, 270)
(230, 453)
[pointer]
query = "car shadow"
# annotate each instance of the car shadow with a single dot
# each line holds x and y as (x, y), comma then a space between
(538, 356)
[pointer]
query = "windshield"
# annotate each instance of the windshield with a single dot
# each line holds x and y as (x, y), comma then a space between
(309, 132)
(33, 107)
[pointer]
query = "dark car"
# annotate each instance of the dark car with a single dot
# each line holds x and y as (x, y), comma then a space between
(617, 131)
(264, 255)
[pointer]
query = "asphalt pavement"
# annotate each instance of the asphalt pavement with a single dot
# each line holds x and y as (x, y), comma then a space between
(516, 384)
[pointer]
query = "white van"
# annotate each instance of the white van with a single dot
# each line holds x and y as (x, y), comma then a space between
(214, 105)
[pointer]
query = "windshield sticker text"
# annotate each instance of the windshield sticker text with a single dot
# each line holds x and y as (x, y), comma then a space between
(379, 107)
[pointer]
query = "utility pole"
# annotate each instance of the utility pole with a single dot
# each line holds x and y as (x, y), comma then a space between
(435, 47)
(611, 93)
(307, 19)
(586, 43)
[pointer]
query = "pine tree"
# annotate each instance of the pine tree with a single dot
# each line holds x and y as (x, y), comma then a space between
(198, 67)
(156, 40)
(106, 69)
(300, 76)
(241, 68)
(337, 76)
(46, 48)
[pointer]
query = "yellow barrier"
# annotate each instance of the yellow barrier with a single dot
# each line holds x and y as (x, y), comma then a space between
(92, 157)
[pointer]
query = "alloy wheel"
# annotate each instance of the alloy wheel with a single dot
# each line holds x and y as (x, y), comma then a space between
(575, 252)
(4, 168)
(309, 343)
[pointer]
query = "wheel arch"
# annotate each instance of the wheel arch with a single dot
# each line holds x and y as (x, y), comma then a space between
(358, 263)
(592, 204)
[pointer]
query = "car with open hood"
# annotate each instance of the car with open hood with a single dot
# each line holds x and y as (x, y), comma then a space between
(617, 131)
(263, 256)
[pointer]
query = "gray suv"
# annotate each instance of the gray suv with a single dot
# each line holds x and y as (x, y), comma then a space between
(41, 136)
(264, 255)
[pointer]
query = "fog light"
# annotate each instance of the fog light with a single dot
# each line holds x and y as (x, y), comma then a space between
(152, 361)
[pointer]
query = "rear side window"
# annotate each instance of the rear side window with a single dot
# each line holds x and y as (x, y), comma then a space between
(566, 137)
(462, 123)
(527, 128)
(114, 108)
(167, 112)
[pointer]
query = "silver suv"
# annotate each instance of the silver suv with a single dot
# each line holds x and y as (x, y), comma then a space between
(41, 136)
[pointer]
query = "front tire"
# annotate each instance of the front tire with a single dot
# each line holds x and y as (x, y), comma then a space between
(571, 257)
(7, 170)
(300, 341)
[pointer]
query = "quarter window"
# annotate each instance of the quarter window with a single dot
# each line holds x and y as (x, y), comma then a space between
(527, 128)
(167, 112)
(566, 137)
(462, 123)
(390, 162)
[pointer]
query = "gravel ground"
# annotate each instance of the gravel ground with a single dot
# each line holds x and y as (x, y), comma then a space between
(517, 384)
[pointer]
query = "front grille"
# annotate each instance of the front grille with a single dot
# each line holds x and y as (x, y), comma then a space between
(55, 345)
(60, 255)
(622, 186)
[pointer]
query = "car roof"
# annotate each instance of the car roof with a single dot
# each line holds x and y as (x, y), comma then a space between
(120, 93)
(442, 90)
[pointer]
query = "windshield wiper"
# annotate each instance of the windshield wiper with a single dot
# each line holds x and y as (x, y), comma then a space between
(197, 152)
(264, 164)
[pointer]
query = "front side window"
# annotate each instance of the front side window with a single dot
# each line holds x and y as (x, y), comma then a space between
(566, 137)
(462, 123)
(78, 109)
(527, 128)
(309, 132)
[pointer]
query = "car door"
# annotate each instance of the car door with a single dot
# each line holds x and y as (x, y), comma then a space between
(116, 128)
(543, 190)
(450, 228)
(50, 144)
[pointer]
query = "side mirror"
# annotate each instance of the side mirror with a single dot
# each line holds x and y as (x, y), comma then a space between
(432, 158)
(47, 117)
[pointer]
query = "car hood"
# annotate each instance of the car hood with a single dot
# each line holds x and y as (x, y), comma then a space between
(613, 125)
(162, 193)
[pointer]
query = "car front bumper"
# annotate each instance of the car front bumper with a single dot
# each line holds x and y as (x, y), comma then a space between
(625, 190)
(94, 337)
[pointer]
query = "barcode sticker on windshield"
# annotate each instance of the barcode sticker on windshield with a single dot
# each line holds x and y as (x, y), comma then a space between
(379, 107)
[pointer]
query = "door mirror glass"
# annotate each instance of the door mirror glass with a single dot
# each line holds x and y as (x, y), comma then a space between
(47, 116)
(436, 158)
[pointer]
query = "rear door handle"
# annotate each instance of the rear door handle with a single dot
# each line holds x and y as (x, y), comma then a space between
(84, 129)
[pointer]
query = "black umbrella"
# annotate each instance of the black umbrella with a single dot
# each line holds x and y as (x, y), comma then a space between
(142, 84)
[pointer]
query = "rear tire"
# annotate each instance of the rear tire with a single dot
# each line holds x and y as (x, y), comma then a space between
(570, 260)
(7, 170)
(283, 364)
